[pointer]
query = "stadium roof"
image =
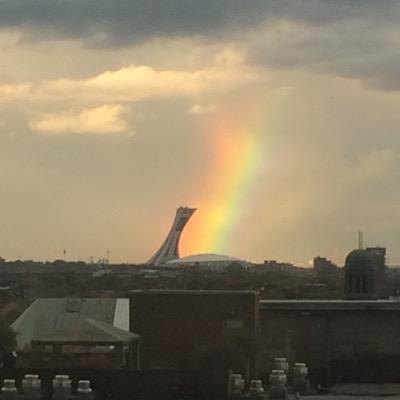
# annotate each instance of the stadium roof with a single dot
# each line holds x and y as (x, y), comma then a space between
(205, 258)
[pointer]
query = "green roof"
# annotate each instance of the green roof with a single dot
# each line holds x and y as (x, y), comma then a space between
(62, 317)
(86, 331)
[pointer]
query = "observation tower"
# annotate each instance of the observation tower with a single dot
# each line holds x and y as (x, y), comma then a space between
(170, 248)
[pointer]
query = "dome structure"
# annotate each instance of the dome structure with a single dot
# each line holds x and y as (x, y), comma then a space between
(360, 274)
(207, 260)
(359, 261)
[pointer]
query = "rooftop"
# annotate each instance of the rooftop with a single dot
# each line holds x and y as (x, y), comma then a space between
(205, 258)
(88, 331)
(384, 304)
(49, 317)
(193, 292)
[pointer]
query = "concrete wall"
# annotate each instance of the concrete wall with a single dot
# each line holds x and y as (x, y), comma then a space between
(339, 343)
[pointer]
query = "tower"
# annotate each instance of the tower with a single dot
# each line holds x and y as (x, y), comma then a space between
(365, 273)
(359, 275)
(170, 248)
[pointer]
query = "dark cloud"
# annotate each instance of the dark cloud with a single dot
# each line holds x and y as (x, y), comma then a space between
(120, 22)
(351, 38)
(353, 49)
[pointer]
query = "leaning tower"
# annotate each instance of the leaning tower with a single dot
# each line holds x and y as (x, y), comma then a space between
(170, 248)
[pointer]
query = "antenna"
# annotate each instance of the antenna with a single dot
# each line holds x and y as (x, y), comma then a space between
(360, 240)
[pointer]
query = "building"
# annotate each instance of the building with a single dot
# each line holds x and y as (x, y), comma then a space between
(169, 250)
(322, 266)
(210, 262)
(340, 340)
(365, 273)
(177, 325)
(168, 253)
(270, 266)
(77, 332)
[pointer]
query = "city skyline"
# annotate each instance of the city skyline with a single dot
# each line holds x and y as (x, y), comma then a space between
(278, 121)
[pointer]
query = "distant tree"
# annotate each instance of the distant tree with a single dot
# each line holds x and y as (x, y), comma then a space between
(12, 314)
(236, 268)
(8, 340)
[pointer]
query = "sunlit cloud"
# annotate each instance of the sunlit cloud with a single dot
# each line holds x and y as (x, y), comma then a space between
(133, 83)
(106, 119)
(198, 109)
(11, 91)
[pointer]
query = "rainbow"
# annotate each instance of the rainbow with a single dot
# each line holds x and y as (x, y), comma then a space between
(236, 140)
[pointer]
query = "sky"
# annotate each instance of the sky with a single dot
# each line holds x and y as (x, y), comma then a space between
(278, 120)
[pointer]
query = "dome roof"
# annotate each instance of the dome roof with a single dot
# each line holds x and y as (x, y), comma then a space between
(359, 260)
(206, 259)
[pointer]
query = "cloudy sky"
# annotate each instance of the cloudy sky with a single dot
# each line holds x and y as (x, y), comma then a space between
(278, 120)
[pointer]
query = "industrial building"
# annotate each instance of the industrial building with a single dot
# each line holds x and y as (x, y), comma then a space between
(77, 332)
(340, 340)
(175, 324)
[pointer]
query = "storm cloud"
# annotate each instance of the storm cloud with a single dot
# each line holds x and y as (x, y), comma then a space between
(357, 49)
(123, 22)
(352, 38)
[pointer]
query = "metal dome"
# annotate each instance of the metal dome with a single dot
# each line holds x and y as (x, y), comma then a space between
(206, 259)
(359, 260)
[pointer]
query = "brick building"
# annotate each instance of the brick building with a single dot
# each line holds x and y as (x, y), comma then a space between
(174, 324)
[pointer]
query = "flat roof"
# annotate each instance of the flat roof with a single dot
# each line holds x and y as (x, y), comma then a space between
(309, 305)
(194, 292)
